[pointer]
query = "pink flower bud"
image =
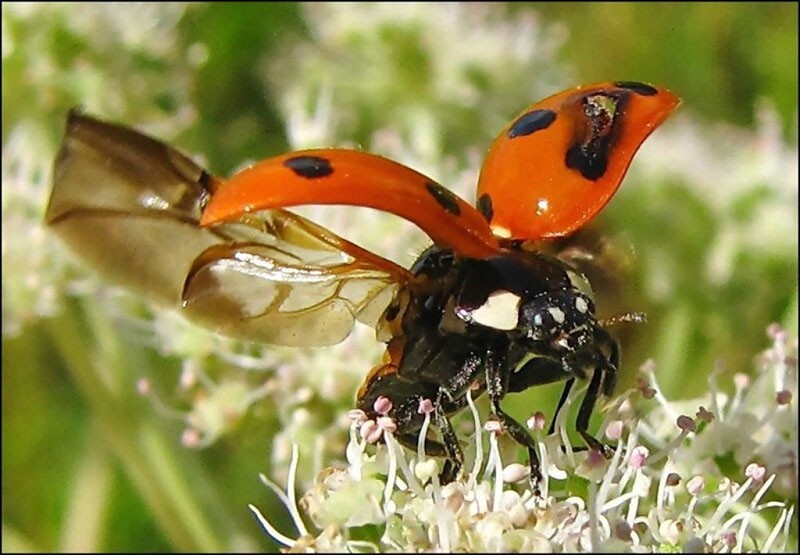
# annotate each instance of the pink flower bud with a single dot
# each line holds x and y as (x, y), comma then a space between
(370, 431)
(639, 456)
(696, 485)
(382, 405)
(704, 414)
(756, 472)
(425, 406)
(357, 415)
(537, 421)
(686, 423)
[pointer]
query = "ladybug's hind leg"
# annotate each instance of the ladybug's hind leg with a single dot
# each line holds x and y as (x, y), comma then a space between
(454, 454)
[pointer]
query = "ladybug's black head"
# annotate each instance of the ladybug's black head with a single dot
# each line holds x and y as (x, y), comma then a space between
(563, 321)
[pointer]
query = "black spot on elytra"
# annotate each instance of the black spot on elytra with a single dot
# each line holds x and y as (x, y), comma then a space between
(637, 87)
(531, 122)
(310, 167)
(593, 145)
(592, 163)
(444, 198)
(484, 205)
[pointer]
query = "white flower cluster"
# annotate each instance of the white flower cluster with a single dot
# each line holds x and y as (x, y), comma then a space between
(663, 488)
(393, 65)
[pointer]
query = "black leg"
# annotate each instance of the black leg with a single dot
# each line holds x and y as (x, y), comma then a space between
(604, 379)
(585, 413)
(455, 457)
(497, 386)
(612, 363)
(561, 401)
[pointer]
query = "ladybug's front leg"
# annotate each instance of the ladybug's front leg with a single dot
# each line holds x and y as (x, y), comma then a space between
(497, 378)
(603, 379)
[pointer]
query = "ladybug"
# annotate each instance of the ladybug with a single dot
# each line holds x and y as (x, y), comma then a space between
(484, 309)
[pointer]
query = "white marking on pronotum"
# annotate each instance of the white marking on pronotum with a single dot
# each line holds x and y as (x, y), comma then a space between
(557, 314)
(500, 311)
(581, 305)
(542, 206)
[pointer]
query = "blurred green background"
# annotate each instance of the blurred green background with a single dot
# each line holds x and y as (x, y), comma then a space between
(71, 479)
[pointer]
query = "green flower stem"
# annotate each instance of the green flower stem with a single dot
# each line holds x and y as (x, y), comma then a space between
(672, 348)
(180, 493)
(86, 517)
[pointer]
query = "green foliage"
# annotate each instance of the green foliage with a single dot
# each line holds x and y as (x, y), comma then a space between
(722, 57)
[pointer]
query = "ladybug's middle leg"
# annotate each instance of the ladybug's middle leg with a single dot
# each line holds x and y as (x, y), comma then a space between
(497, 378)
